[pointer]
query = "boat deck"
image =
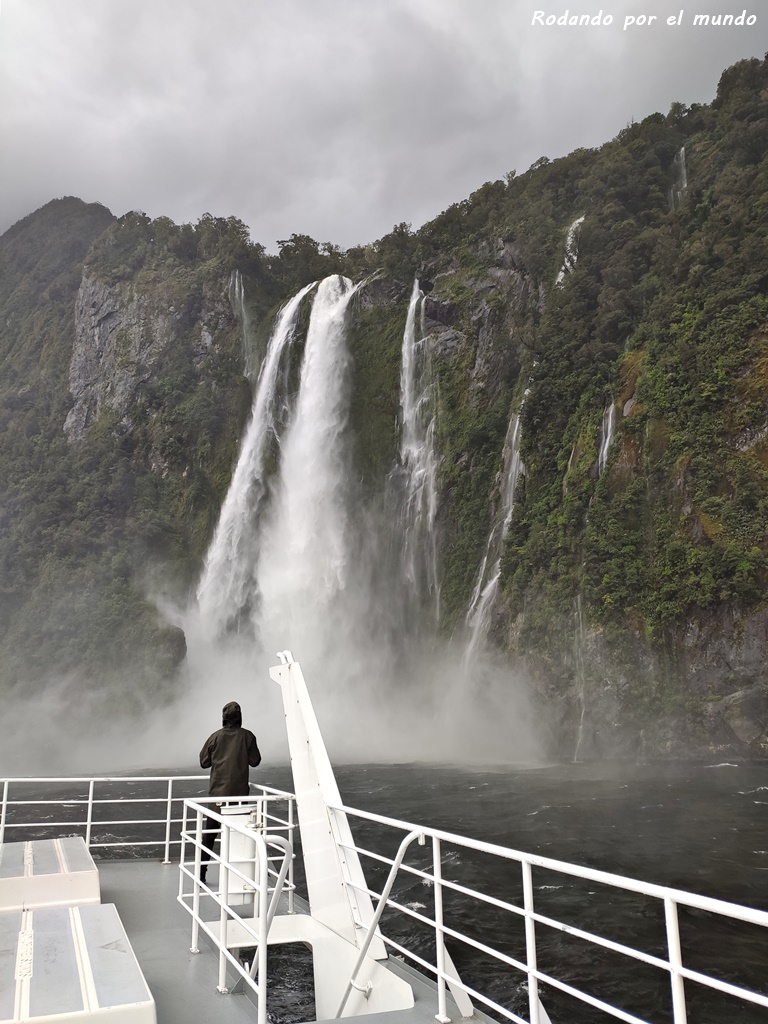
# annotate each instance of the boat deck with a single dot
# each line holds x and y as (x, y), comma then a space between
(183, 983)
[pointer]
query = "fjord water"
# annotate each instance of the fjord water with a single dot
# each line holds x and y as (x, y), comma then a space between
(698, 827)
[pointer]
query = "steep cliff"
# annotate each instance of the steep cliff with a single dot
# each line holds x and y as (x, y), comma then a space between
(633, 580)
(628, 332)
(123, 399)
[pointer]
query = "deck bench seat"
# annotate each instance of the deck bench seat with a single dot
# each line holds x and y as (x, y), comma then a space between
(47, 872)
(72, 964)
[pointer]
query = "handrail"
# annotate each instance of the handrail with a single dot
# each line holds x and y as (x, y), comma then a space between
(287, 848)
(708, 903)
(670, 899)
(377, 916)
(275, 832)
(266, 908)
(89, 801)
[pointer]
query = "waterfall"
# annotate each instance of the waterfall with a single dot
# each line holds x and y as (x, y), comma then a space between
(606, 436)
(418, 460)
(678, 189)
(226, 586)
(237, 301)
(571, 252)
(478, 618)
(579, 645)
(305, 548)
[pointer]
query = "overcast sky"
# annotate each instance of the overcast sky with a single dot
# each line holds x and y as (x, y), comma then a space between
(334, 118)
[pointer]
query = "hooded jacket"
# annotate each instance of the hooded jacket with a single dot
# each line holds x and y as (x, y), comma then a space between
(228, 753)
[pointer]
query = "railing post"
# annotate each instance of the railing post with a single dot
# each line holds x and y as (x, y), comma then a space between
(89, 818)
(168, 812)
(290, 867)
(224, 893)
(262, 854)
(530, 943)
(2, 812)
(437, 875)
(679, 1014)
(183, 847)
(194, 948)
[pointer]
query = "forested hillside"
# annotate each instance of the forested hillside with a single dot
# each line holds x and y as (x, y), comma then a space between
(632, 278)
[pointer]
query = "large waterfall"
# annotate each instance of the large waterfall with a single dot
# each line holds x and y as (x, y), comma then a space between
(300, 559)
(227, 585)
(418, 461)
(484, 595)
(305, 553)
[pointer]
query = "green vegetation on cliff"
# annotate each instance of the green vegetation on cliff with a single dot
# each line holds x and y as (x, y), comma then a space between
(663, 315)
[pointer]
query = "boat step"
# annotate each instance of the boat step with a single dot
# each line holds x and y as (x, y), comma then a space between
(47, 872)
(71, 964)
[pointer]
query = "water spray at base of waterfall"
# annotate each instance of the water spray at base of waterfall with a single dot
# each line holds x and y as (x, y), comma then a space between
(296, 562)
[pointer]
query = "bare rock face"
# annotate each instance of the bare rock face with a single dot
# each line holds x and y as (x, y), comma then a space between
(121, 333)
(481, 311)
(117, 341)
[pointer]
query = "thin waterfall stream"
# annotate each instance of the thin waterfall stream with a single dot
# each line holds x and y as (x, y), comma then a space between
(418, 461)
(478, 619)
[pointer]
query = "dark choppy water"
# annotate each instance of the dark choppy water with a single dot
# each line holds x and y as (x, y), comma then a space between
(702, 828)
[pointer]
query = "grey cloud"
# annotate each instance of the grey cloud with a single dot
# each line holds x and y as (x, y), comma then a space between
(337, 118)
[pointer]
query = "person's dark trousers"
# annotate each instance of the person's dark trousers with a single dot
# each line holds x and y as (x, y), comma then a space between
(211, 830)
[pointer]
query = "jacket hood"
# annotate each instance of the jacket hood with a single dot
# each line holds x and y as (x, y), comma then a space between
(232, 716)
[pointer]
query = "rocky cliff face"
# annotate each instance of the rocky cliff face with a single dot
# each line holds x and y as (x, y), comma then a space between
(124, 399)
(124, 333)
(118, 341)
(633, 579)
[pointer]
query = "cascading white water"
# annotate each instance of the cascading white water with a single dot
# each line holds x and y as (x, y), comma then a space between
(418, 459)
(484, 595)
(678, 189)
(571, 252)
(237, 301)
(310, 576)
(606, 436)
(305, 545)
(227, 582)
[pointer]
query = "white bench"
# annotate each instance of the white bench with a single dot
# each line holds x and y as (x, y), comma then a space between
(70, 964)
(47, 872)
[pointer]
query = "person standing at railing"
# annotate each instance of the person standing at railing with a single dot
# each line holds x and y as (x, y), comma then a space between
(229, 753)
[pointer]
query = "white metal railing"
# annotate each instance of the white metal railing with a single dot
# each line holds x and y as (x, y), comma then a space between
(78, 811)
(271, 873)
(446, 975)
(251, 869)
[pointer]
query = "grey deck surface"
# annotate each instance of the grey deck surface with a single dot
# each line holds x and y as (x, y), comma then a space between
(183, 983)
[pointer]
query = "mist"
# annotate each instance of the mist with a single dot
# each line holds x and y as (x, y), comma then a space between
(299, 561)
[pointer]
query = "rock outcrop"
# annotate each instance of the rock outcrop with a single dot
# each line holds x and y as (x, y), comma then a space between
(121, 335)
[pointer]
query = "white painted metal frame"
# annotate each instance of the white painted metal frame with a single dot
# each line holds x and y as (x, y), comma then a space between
(164, 783)
(258, 879)
(445, 974)
(670, 898)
